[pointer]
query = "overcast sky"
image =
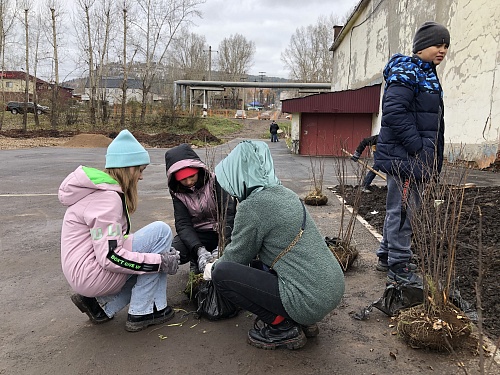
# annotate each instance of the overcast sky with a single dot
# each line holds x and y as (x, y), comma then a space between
(268, 23)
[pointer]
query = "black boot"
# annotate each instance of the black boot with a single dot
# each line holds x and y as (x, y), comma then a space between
(91, 307)
(267, 336)
(137, 323)
(403, 273)
(311, 330)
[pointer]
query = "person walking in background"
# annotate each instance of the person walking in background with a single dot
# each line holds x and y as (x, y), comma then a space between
(273, 129)
(294, 280)
(370, 175)
(105, 264)
(411, 142)
(199, 205)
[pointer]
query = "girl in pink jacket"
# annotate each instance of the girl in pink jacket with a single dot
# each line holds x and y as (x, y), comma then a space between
(108, 267)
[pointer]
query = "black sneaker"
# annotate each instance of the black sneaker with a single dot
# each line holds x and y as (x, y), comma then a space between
(403, 273)
(91, 307)
(136, 323)
(270, 337)
(311, 330)
(382, 265)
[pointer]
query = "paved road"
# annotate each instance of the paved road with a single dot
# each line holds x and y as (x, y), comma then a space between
(43, 333)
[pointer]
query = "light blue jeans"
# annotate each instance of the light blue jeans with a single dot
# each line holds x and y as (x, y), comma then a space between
(143, 292)
(395, 246)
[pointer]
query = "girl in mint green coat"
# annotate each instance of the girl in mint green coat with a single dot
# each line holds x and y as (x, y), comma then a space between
(305, 282)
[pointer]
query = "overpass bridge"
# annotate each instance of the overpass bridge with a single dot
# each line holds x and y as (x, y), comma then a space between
(183, 88)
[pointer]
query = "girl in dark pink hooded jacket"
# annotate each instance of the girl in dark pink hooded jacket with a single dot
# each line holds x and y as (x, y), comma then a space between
(106, 266)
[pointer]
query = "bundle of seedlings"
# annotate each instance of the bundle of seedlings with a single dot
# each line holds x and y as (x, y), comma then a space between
(316, 196)
(341, 246)
(193, 284)
(195, 280)
(437, 323)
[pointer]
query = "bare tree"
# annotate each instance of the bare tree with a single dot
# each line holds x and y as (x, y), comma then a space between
(97, 19)
(127, 55)
(188, 54)
(35, 67)
(6, 25)
(125, 10)
(307, 57)
(160, 22)
(235, 56)
(26, 8)
(54, 7)
(86, 41)
(234, 59)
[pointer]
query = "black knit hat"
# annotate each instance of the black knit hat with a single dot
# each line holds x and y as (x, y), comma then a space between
(430, 34)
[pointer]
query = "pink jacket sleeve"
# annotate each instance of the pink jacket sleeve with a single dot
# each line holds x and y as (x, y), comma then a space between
(113, 251)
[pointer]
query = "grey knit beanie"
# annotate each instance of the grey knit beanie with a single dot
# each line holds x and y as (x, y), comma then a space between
(430, 34)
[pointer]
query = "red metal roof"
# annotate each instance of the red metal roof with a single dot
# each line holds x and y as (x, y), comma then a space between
(19, 75)
(364, 100)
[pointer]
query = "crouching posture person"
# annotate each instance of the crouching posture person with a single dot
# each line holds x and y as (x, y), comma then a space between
(199, 207)
(106, 266)
(298, 280)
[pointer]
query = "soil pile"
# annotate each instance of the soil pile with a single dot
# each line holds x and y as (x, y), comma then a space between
(372, 209)
(88, 140)
(103, 139)
(167, 140)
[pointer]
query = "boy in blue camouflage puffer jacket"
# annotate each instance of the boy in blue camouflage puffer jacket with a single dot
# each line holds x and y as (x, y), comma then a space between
(411, 142)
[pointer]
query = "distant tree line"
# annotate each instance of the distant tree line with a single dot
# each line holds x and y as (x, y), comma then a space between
(149, 40)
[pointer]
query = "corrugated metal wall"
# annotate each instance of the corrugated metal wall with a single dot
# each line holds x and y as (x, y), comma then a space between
(364, 100)
(325, 134)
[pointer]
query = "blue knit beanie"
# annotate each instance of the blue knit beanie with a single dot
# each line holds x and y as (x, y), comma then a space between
(126, 151)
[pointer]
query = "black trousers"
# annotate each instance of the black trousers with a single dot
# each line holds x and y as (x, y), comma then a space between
(209, 239)
(251, 289)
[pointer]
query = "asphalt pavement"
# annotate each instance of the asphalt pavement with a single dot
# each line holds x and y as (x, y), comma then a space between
(43, 333)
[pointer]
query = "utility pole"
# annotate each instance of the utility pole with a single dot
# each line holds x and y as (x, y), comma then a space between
(27, 76)
(254, 89)
(209, 63)
(262, 75)
(243, 79)
(205, 106)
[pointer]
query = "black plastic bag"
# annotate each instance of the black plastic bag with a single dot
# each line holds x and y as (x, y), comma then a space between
(396, 297)
(213, 305)
(399, 296)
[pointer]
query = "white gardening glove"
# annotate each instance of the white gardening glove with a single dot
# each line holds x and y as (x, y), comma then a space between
(204, 256)
(207, 273)
(170, 261)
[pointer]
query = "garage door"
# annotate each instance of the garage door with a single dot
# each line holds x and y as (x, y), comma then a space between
(325, 134)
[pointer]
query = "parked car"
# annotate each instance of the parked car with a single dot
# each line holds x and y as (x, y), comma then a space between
(265, 116)
(18, 107)
(240, 113)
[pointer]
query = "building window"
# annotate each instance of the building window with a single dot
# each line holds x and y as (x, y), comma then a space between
(9, 84)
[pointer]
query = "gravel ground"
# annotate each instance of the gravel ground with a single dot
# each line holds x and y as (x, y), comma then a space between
(7, 143)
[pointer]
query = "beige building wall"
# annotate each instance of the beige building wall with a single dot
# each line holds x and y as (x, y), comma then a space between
(470, 74)
(15, 85)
